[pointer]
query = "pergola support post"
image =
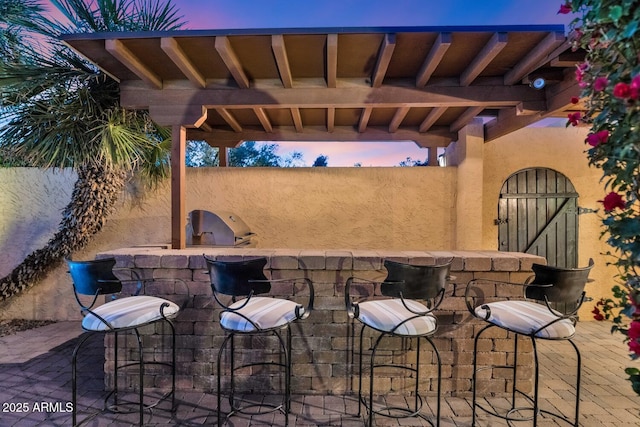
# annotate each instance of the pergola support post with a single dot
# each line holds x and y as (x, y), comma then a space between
(469, 152)
(178, 187)
(223, 158)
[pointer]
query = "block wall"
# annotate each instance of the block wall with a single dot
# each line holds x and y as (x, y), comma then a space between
(324, 352)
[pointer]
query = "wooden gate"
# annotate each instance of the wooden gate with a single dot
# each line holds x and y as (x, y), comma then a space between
(538, 214)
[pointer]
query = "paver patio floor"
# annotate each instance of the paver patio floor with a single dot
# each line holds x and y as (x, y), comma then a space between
(35, 386)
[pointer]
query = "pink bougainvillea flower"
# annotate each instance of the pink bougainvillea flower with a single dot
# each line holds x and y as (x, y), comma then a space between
(596, 314)
(565, 8)
(600, 84)
(574, 118)
(612, 200)
(635, 87)
(595, 139)
(622, 90)
(634, 346)
(634, 330)
(575, 99)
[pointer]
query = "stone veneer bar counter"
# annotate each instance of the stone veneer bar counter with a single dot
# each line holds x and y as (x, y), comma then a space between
(322, 344)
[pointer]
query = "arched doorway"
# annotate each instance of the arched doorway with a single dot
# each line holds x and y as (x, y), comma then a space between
(538, 214)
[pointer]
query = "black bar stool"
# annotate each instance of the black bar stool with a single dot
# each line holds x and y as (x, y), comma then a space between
(245, 313)
(127, 314)
(528, 318)
(414, 292)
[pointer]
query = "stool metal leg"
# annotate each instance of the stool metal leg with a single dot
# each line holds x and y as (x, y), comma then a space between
(418, 401)
(534, 399)
(284, 363)
(141, 377)
(360, 373)
(74, 378)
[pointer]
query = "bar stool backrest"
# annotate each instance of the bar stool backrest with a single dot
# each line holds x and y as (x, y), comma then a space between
(567, 283)
(94, 277)
(238, 278)
(424, 282)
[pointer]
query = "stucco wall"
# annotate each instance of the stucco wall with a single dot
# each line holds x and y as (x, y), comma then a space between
(322, 208)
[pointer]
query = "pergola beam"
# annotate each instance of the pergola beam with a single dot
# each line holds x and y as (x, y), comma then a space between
(343, 97)
(437, 137)
(558, 101)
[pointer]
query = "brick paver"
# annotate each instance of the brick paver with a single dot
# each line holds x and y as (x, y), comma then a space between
(35, 388)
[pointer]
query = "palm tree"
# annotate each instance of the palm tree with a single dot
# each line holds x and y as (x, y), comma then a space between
(59, 111)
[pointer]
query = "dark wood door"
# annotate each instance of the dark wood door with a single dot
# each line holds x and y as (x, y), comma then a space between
(538, 214)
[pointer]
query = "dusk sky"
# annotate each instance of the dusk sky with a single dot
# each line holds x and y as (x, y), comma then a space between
(233, 14)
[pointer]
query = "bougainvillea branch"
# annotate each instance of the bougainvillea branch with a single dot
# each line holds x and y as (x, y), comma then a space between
(608, 31)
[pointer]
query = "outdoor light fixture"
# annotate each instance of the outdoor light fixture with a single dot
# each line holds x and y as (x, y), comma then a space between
(538, 83)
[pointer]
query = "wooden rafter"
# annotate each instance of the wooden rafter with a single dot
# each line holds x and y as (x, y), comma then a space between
(297, 119)
(264, 120)
(365, 115)
(431, 118)
(431, 62)
(173, 50)
(228, 117)
(465, 118)
(530, 61)
(331, 119)
(332, 59)
(282, 60)
(230, 59)
(487, 54)
(132, 62)
(384, 57)
(398, 117)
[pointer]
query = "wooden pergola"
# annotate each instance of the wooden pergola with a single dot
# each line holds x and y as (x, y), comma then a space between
(420, 84)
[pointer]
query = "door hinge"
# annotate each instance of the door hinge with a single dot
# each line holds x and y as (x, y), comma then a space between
(581, 211)
(499, 221)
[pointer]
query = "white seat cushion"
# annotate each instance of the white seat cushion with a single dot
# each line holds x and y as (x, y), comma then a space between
(525, 317)
(265, 312)
(385, 315)
(128, 312)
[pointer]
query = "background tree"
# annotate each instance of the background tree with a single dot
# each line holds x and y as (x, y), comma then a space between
(608, 30)
(201, 154)
(321, 161)
(410, 162)
(253, 154)
(59, 111)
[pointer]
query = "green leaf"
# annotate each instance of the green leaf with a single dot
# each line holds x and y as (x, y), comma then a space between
(615, 13)
(630, 29)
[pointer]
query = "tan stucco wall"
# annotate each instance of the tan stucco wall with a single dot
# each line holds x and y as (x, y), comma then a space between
(322, 208)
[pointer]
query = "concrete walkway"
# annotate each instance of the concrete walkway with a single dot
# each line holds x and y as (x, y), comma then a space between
(35, 388)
